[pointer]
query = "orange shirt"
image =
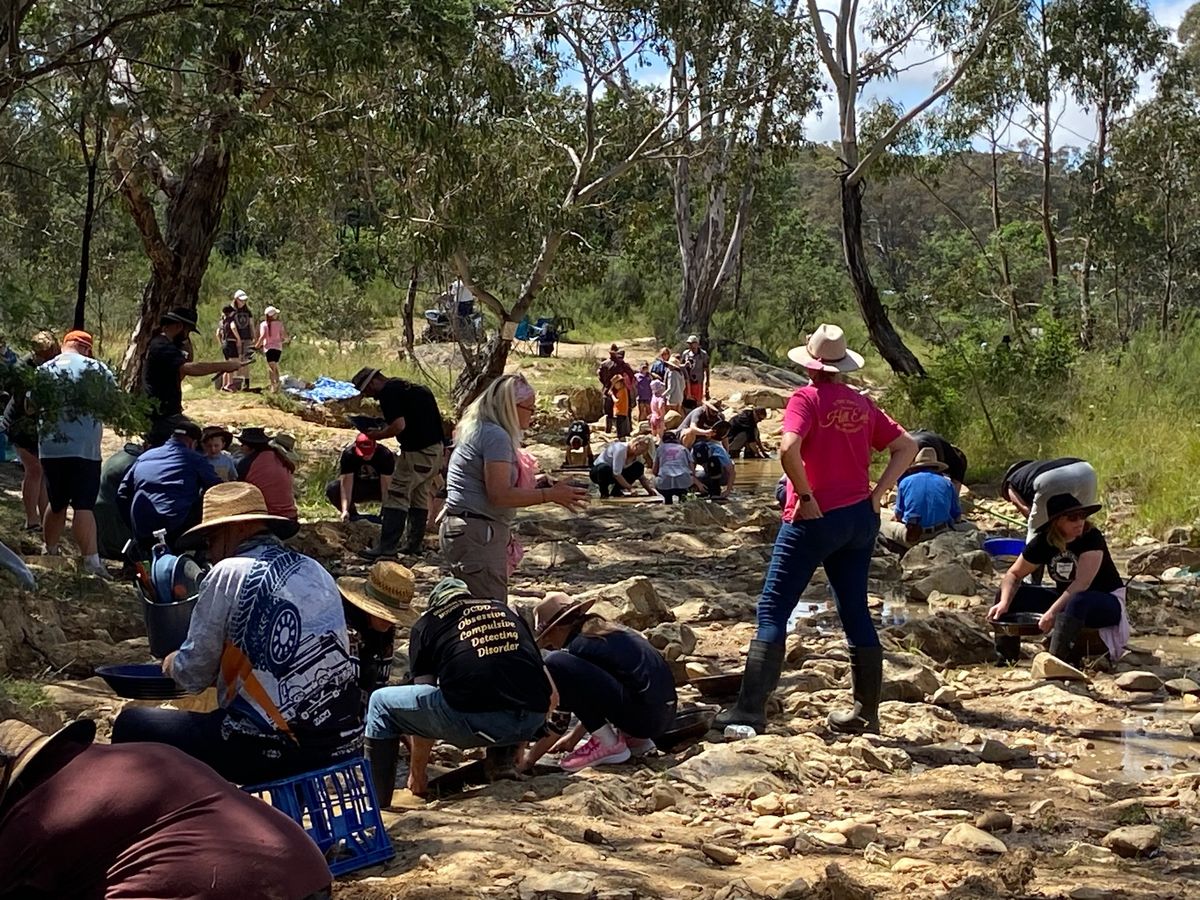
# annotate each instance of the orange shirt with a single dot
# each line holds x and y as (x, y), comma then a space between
(620, 395)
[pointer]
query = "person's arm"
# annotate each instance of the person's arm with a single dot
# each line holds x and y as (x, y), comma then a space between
(497, 479)
(793, 467)
(730, 477)
(385, 485)
(346, 483)
(1086, 568)
(392, 430)
(1016, 500)
(192, 369)
(898, 511)
(1009, 585)
(205, 473)
(707, 376)
(262, 336)
(903, 451)
(651, 491)
(196, 665)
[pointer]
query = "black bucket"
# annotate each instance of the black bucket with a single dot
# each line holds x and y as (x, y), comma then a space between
(167, 624)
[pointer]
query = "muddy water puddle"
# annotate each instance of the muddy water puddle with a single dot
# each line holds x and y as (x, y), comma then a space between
(1148, 743)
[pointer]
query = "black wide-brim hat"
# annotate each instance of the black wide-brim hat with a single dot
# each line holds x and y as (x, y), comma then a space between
(1064, 505)
(183, 316)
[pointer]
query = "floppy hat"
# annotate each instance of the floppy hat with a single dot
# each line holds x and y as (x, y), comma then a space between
(927, 459)
(826, 351)
(386, 592)
(1063, 505)
(254, 436)
(363, 377)
(183, 316)
(556, 609)
(448, 590)
(230, 503)
(672, 420)
(365, 447)
(20, 743)
(285, 444)
(217, 431)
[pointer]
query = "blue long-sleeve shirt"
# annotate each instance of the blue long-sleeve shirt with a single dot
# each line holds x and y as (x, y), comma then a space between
(163, 487)
(927, 498)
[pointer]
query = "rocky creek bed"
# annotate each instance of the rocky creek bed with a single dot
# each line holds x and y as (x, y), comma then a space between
(985, 783)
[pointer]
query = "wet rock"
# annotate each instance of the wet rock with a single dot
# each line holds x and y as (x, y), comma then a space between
(720, 854)
(558, 885)
(994, 820)
(979, 562)
(1157, 559)
(1138, 681)
(1000, 753)
(661, 636)
(954, 578)
(1182, 686)
(975, 840)
(709, 514)
(1049, 667)
(946, 636)
(885, 568)
(1134, 840)
(633, 602)
(554, 555)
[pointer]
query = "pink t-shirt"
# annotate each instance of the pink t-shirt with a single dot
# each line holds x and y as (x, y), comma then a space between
(838, 429)
(273, 334)
(269, 474)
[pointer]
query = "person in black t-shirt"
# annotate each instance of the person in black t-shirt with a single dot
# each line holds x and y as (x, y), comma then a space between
(952, 456)
(1088, 590)
(478, 681)
(243, 328)
(743, 434)
(619, 686)
(167, 364)
(364, 476)
(1029, 483)
(413, 418)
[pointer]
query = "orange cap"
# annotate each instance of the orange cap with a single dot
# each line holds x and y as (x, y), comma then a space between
(78, 337)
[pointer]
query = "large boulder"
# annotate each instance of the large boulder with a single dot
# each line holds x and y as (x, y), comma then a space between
(948, 547)
(947, 636)
(1156, 560)
(953, 578)
(586, 403)
(750, 768)
(907, 679)
(633, 602)
(765, 398)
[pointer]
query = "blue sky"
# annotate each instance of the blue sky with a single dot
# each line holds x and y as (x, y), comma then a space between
(1076, 126)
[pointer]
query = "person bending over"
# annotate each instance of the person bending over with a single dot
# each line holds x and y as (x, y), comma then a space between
(364, 476)
(1030, 483)
(620, 464)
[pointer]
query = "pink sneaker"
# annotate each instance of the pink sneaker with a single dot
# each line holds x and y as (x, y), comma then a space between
(595, 753)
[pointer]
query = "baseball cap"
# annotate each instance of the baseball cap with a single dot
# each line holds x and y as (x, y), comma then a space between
(364, 446)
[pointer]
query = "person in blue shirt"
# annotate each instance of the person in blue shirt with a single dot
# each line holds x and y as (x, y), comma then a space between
(162, 489)
(926, 502)
(716, 473)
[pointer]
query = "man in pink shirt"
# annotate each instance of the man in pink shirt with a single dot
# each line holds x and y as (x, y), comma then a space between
(830, 519)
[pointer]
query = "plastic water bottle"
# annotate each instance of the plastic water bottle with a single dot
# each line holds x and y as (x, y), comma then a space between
(739, 732)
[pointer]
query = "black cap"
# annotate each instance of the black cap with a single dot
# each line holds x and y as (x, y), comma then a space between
(181, 315)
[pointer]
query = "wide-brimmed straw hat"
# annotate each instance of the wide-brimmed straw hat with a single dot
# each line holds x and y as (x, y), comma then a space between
(927, 460)
(826, 351)
(230, 503)
(21, 743)
(672, 420)
(217, 431)
(386, 592)
(558, 608)
(1064, 505)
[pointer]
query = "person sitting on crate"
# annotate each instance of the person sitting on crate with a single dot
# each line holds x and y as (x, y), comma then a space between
(478, 681)
(162, 489)
(81, 820)
(926, 503)
(269, 632)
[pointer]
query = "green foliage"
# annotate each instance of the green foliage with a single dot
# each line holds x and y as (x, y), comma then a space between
(28, 695)
(55, 398)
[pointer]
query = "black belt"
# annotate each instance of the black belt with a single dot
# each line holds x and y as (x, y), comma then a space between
(469, 515)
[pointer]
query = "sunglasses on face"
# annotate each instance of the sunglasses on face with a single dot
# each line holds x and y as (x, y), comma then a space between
(527, 408)
(1075, 517)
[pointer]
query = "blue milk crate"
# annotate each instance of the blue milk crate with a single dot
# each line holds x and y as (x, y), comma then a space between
(338, 809)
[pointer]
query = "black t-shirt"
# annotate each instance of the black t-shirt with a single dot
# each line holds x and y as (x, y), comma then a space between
(630, 659)
(1021, 477)
(364, 470)
(228, 330)
(745, 422)
(946, 452)
(243, 321)
(483, 655)
(1060, 564)
(416, 405)
(161, 376)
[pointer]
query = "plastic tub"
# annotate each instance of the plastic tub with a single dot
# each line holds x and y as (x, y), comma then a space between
(1001, 546)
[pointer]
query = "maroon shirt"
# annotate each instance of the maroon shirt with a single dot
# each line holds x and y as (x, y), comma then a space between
(145, 820)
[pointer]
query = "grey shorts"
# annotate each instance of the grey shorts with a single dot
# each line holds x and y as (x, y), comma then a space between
(476, 550)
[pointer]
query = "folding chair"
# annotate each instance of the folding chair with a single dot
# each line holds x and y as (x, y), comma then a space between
(524, 337)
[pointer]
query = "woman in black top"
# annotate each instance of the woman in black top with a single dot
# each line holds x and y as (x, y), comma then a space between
(620, 687)
(1088, 590)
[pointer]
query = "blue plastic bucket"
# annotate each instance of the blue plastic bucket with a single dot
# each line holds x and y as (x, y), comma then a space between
(1004, 546)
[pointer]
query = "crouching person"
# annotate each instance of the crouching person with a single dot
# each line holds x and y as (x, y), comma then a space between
(620, 687)
(269, 632)
(478, 681)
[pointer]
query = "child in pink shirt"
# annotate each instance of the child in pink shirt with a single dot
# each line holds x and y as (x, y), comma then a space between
(271, 338)
(658, 407)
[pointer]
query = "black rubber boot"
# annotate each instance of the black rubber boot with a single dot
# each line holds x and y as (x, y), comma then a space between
(764, 662)
(500, 763)
(866, 672)
(382, 756)
(1008, 649)
(390, 533)
(414, 535)
(1064, 640)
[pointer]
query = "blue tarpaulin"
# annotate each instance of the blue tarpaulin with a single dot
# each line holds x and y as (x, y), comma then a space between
(326, 389)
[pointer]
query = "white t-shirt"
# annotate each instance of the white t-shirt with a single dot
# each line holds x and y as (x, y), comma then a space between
(614, 454)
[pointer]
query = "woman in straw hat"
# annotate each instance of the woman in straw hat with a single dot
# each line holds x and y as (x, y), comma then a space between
(610, 677)
(830, 518)
(269, 632)
(926, 502)
(374, 607)
(81, 820)
(488, 480)
(1088, 590)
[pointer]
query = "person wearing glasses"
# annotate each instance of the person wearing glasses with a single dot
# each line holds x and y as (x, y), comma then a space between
(1088, 590)
(489, 478)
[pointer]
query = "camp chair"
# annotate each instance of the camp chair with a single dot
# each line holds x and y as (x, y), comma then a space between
(523, 340)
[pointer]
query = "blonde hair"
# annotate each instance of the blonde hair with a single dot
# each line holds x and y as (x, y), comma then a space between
(642, 444)
(1054, 536)
(497, 405)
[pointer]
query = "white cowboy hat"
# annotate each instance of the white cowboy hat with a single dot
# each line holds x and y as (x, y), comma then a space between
(826, 351)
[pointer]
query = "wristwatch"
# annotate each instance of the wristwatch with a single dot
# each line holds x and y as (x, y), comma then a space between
(804, 498)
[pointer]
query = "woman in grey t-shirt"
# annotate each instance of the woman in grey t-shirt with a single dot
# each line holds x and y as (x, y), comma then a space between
(485, 487)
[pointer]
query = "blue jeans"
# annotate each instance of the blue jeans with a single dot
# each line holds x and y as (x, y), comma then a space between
(842, 541)
(421, 710)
